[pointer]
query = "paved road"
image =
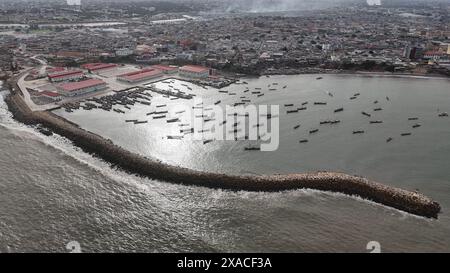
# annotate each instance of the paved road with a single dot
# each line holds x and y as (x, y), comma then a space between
(23, 87)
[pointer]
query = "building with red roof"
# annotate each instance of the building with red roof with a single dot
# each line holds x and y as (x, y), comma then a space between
(65, 75)
(55, 69)
(97, 67)
(141, 75)
(82, 87)
(52, 95)
(194, 71)
(166, 69)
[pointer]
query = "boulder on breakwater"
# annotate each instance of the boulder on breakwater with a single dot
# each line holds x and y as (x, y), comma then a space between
(411, 202)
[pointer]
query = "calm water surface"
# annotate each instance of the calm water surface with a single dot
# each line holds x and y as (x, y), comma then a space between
(52, 193)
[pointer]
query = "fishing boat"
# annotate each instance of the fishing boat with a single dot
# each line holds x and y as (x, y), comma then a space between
(296, 127)
(175, 137)
(377, 109)
(292, 111)
(288, 105)
(252, 148)
(443, 114)
(320, 103)
(187, 131)
(131, 120)
(319, 78)
(173, 120)
(301, 108)
(339, 110)
(366, 114)
(207, 141)
(159, 117)
(389, 139)
(140, 122)
(314, 131)
(406, 134)
(376, 121)
(416, 126)
(358, 132)
(304, 141)
(413, 118)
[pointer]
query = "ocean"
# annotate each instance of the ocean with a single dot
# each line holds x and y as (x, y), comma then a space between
(52, 193)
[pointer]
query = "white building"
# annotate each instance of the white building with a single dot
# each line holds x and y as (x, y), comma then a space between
(123, 52)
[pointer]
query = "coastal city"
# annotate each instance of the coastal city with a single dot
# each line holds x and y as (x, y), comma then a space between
(190, 118)
(221, 47)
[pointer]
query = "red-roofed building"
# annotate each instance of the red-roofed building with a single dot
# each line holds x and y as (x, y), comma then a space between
(194, 71)
(141, 75)
(433, 55)
(166, 69)
(55, 69)
(65, 75)
(97, 67)
(53, 95)
(78, 88)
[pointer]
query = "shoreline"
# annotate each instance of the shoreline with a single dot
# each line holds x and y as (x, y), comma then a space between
(407, 201)
(358, 73)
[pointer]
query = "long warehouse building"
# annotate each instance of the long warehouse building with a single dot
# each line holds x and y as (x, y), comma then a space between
(141, 75)
(79, 88)
(66, 75)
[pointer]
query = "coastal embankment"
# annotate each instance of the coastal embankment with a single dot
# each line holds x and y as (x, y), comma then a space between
(411, 202)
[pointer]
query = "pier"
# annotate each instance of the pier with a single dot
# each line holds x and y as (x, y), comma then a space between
(408, 201)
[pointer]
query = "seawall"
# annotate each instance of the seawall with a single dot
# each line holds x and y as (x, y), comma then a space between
(411, 202)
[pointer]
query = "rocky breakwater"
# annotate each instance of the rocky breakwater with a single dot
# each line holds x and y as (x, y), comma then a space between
(411, 202)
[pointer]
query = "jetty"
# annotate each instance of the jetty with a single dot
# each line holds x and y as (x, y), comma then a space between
(404, 200)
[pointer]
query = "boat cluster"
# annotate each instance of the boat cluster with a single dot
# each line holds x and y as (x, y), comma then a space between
(126, 99)
(291, 109)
